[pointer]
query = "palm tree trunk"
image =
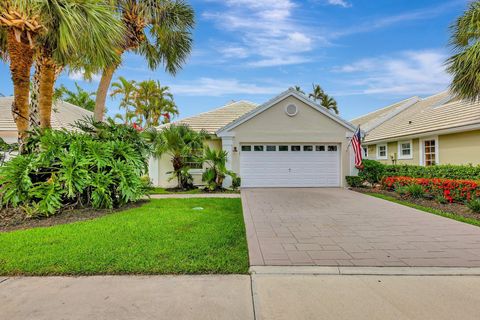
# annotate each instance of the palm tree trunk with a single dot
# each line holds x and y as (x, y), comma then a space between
(34, 98)
(47, 81)
(102, 92)
(21, 60)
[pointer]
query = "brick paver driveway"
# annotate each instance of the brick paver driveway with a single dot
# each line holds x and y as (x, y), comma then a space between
(337, 227)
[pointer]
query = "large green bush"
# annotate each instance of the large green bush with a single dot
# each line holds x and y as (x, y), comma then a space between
(100, 165)
(373, 171)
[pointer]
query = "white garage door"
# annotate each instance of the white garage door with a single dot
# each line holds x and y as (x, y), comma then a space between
(290, 165)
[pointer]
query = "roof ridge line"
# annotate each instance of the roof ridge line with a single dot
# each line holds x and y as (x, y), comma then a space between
(389, 106)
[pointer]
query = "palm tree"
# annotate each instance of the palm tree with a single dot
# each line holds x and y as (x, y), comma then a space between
(329, 103)
(126, 89)
(168, 24)
(317, 93)
(319, 96)
(216, 170)
(152, 101)
(464, 65)
(20, 28)
(180, 142)
(83, 34)
(299, 89)
(81, 97)
(147, 102)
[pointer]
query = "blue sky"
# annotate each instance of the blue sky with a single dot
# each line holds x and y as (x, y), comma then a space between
(367, 54)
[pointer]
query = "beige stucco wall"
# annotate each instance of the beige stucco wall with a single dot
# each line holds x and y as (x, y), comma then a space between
(275, 126)
(457, 148)
(460, 148)
(165, 166)
(393, 151)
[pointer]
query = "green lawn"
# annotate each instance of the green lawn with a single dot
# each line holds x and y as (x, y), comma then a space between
(427, 209)
(166, 236)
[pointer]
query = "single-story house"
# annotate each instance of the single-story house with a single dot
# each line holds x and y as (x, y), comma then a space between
(439, 129)
(64, 114)
(289, 141)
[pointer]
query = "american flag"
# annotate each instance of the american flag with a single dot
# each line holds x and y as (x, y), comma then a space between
(357, 148)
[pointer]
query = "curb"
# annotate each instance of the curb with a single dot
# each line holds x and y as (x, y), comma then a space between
(387, 271)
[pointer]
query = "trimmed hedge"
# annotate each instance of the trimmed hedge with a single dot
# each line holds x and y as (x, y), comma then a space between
(467, 172)
(374, 171)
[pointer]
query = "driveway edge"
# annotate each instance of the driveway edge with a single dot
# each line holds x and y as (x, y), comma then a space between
(254, 252)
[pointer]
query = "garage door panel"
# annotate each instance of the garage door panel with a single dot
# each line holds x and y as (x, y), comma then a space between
(290, 168)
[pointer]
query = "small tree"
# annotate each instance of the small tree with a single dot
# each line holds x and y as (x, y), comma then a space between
(181, 143)
(216, 170)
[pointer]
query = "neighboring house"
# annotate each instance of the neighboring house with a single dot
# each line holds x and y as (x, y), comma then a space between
(435, 130)
(289, 141)
(63, 115)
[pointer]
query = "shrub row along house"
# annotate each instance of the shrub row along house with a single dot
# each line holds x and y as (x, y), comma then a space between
(435, 130)
(289, 141)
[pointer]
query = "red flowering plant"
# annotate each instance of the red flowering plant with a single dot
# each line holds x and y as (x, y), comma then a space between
(450, 189)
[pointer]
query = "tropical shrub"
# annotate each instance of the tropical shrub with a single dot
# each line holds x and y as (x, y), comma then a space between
(415, 191)
(451, 190)
(236, 181)
(179, 142)
(372, 172)
(354, 181)
(100, 166)
(474, 205)
(216, 170)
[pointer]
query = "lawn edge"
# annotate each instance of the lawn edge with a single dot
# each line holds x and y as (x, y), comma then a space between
(437, 212)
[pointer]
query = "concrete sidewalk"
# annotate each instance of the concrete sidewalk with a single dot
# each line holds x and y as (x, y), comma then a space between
(267, 295)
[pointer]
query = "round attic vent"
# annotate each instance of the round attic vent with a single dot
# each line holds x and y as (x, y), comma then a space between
(291, 110)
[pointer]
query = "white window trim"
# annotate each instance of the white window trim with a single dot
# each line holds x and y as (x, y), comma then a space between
(422, 150)
(365, 152)
(378, 151)
(399, 152)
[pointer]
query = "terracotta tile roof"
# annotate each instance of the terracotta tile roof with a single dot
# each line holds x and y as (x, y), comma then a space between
(213, 120)
(437, 112)
(63, 115)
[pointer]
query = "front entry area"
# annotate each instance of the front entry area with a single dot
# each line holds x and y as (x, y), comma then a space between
(290, 165)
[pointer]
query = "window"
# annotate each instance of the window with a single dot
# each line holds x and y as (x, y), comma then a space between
(296, 148)
(405, 150)
(271, 148)
(193, 161)
(430, 152)
(246, 148)
(365, 152)
(282, 148)
(307, 148)
(319, 148)
(382, 151)
(332, 148)
(257, 148)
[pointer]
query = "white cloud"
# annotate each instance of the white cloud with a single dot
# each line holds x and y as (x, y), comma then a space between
(266, 32)
(79, 75)
(219, 87)
(410, 72)
(341, 3)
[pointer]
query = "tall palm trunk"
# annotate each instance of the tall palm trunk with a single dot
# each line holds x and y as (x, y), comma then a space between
(34, 98)
(102, 92)
(47, 81)
(21, 60)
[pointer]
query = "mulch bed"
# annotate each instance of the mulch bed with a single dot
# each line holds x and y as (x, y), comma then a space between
(454, 208)
(15, 219)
